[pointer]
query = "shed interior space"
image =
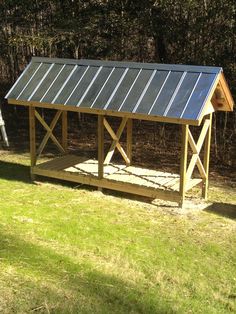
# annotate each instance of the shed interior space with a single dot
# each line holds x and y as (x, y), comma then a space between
(184, 95)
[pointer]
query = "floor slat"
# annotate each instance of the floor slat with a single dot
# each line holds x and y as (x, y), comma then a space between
(138, 176)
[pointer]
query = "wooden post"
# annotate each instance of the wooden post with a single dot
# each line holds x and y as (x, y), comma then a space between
(64, 131)
(32, 139)
(129, 140)
(183, 164)
(207, 148)
(100, 146)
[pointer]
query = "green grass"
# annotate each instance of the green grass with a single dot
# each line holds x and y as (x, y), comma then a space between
(69, 250)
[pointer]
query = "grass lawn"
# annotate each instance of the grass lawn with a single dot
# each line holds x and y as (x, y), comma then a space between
(70, 250)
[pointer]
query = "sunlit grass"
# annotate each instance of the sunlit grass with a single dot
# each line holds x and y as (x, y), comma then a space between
(69, 250)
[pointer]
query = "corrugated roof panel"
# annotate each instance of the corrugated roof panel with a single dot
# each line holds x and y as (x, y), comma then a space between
(183, 94)
(73, 82)
(158, 90)
(104, 84)
(80, 89)
(136, 91)
(123, 89)
(23, 80)
(152, 92)
(47, 82)
(55, 88)
(41, 81)
(166, 93)
(96, 86)
(199, 96)
(32, 84)
(65, 82)
(109, 89)
(89, 87)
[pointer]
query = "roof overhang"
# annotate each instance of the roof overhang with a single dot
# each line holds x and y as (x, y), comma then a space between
(181, 94)
(111, 113)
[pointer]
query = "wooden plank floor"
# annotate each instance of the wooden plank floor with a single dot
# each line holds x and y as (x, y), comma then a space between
(121, 173)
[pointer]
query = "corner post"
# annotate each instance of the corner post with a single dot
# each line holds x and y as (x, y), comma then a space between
(183, 164)
(32, 132)
(64, 131)
(129, 140)
(207, 148)
(100, 146)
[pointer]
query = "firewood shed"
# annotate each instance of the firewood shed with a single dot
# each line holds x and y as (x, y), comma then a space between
(185, 95)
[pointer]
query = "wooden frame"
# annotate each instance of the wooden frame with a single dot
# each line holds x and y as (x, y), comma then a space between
(183, 163)
(116, 141)
(172, 188)
(136, 116)
(101, 120)
(35, 152)
(186, 172)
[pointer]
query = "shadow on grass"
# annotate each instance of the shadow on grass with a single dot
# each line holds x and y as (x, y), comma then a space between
(15, 172)
(222, 209)
(77, 287)
(18, 172)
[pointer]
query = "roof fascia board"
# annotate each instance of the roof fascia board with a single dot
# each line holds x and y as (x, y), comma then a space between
(226, 92)
(136, 116)
(221, 99)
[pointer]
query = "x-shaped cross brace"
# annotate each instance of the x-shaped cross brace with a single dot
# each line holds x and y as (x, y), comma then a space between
(115, 144)
(196, 148)
(49, 133)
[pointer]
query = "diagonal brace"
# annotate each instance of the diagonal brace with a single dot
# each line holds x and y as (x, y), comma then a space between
(49, 133)
(196, 148)
(115, 144)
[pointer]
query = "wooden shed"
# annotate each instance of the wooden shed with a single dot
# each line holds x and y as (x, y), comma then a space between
(181, 94)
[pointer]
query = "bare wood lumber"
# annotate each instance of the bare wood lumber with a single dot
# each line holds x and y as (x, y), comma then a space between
(111, 113)
(110, 184)
(62, 162)
(115, 144)
(100, 146)
(137, 176)
(207, 148)
(191, 183)
(32, 132)
(195, 160)
(225, 89)
(129, 140)
(64, 131)
(183, 163)
(196, 148)
(210, 107)
(49, 133)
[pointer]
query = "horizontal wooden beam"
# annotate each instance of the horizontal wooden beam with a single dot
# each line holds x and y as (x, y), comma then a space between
(111, 113)
(110, 184)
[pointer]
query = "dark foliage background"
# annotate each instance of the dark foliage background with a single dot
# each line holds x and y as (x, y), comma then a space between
(181, 31)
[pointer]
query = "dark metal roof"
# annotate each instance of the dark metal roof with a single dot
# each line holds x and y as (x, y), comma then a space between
(156, 90)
